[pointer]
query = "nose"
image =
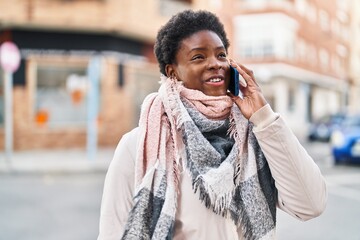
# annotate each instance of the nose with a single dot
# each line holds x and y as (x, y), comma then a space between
(214, 64)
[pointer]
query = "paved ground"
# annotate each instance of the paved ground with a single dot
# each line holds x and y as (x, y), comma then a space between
(51, 195)
(56, 195)
(50, 206)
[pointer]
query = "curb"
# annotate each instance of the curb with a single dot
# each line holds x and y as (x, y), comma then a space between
(56, 161)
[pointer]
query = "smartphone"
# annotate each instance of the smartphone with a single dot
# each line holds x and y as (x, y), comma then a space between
(234, 85)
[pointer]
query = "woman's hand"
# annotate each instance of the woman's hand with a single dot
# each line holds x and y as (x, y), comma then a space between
(253, 99)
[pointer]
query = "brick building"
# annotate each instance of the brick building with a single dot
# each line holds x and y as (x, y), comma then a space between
(299, 50)
(57, 39)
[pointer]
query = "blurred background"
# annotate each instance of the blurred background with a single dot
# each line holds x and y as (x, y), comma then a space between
(86, 65)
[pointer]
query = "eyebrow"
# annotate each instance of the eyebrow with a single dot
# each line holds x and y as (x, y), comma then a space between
(202, 49)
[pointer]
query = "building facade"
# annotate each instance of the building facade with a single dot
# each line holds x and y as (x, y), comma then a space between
(299, 52)
(354, 67)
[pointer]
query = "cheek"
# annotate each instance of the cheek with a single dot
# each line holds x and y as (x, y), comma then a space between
(188, 77)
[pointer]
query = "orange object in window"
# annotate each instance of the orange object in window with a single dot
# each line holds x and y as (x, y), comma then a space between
(42, 117)
(77, 96)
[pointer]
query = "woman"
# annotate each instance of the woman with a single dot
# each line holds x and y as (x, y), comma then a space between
(203, 163)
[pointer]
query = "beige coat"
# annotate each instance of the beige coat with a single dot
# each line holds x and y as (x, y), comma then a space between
(301, 187)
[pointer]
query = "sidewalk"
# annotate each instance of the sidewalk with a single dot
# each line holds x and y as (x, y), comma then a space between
(59, 161)
(62, 161)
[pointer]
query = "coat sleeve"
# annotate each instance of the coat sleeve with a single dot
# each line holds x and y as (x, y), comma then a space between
(301, 187)
(117, 199)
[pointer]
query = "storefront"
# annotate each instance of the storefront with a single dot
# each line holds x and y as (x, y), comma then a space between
(51, 87)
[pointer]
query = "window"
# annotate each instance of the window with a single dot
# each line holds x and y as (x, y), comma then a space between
(247, 51)
(291, 98)
(257, 49)
(324, 20)
(60, 99)
(268, 49)
(265, 36)
(311, 13)
(341, 50)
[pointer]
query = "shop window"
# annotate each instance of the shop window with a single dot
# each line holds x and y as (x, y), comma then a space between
(2, 110)
(61, 96)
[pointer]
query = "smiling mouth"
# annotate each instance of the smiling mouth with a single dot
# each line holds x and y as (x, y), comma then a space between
(215, 80)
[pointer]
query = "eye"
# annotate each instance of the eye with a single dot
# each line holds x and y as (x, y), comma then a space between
(197, 57)
(222, 55)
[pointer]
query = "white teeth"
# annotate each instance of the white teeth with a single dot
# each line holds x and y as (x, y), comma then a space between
(215, 80)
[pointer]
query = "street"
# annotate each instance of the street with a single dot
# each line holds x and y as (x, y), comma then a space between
(52, 206)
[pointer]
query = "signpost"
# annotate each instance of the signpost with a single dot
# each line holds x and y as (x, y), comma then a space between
(10, 62)
(93, 72)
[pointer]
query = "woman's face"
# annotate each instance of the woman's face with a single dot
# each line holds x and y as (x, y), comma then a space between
(201, 64)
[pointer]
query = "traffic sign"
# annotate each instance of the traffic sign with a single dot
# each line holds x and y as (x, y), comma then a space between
(9, 57)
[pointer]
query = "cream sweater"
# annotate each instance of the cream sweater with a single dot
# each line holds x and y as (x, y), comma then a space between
(301, 187)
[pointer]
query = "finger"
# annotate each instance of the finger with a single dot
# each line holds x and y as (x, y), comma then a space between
(248, 79)
(245, 77)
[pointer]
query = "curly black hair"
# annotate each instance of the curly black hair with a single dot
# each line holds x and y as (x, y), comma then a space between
(181, 26)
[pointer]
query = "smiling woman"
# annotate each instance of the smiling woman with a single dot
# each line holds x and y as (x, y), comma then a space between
(203, 163)
(201, 64)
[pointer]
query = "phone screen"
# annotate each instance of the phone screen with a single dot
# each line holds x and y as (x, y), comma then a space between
(234, 85)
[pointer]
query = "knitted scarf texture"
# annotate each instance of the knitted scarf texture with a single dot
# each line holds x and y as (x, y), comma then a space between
(212, 141)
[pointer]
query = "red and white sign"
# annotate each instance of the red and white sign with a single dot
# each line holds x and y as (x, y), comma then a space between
(9, 57)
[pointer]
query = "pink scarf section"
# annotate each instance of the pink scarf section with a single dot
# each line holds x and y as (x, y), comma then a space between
(215, 108)
(162, 114)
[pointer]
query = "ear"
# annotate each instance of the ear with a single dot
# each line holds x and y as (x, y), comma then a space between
(170, 70)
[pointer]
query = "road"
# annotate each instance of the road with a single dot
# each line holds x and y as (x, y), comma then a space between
(66, 206)
(50, 206)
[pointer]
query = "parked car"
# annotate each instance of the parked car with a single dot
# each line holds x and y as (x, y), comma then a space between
(345, 140)
(322, 129)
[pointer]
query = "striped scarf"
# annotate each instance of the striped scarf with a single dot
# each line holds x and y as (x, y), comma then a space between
(213, 140)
